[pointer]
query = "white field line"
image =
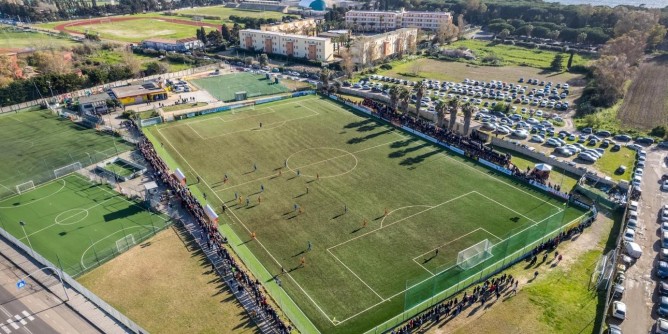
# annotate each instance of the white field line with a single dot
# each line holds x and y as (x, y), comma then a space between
(256, 239)
(361, 280)
(492, 234)
(195, 131)
(128, 201)
(449, 242)
(41, 198)
(400, 220)
(281, 123)
(308, 165)
(401, 208)
(515, 212)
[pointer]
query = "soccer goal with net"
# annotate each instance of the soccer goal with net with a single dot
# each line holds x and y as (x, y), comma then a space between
(62, 171)
(26, 186)
(124, 243)
(472, 256)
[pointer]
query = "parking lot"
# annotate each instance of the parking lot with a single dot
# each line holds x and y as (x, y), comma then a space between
(644, 295)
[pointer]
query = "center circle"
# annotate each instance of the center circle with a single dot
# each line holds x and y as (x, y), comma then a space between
(323, 162)
(71, 217)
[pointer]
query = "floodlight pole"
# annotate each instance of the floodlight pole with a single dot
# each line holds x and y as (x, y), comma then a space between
(23, 224)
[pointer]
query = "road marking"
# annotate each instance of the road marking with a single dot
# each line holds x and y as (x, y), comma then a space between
(5, 329)
(27, 315)
(11, 323)
(19, 319)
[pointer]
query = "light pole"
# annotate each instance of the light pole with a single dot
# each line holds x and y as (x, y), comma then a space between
(23, 224)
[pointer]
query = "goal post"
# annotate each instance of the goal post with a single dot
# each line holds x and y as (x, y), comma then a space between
(62, 171)
(25, 186)
(474, 255)
(125, 243)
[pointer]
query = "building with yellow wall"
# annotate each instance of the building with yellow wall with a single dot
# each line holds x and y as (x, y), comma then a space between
(143, 93)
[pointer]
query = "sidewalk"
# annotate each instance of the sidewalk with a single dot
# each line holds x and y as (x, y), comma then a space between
(76, 301)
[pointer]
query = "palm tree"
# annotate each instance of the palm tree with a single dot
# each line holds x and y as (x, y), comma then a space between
(468, 113)
(440, 113)
(419, 87)
(404, 97)
(453, 105)
(394, 96)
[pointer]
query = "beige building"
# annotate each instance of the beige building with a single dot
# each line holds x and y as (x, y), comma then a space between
(298, 46)
(382, 21)
(298, 27)
(376, 47)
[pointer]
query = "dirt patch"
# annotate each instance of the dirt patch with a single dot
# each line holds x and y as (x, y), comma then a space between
(64, 27)
(646, 103)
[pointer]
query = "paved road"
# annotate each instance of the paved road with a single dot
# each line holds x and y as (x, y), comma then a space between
(33, 310)
(640, 295)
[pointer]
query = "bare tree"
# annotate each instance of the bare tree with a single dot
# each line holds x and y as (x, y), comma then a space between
(347, 63)
(636, 20)
(132, 62)
(631, 44)
(371, 52)
(50, 61)
(446, 32)
(461, 25)
(412, 44)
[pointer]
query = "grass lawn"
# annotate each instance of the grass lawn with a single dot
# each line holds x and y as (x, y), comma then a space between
(343, 171)
(16, 39)
(457, 72)
(179, 294)
(74, 222)
(138, 30)
(115, 57)
(120, 168)
(612, 160)
(223, 87)
(183, 106)
(35, 143)
(515, 55)
(565, 179)
(224, 13)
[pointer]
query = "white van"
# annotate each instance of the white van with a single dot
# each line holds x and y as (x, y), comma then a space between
(634, 250)
(633, 205)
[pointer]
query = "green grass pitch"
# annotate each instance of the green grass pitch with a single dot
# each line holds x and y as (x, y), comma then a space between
(223, 87)
(351, 169)
(35, 143)
(77, 223)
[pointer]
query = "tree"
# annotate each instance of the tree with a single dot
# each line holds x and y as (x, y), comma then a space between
(394, 97)
(248, 60)
(468, 113)
(498, 27)
(557, 64)
(570, 59)
(371, 52)
(263, 59)
(632, 45)
(133, 64)
(503, 34)
(235, 33)
(553, 35)
(582, 37)
(461, 25)
(453, 106)
(155, 67)
(50, 62)
(404, 97)
(202, 35)
(225, 32)
(419, 92)
(347, 64)
(446, 32)
(440, 113)
(412, 44)
(198, 34)
(655, 36)
(324, 78)
(214, 37)
(636, 20)
(8, 67)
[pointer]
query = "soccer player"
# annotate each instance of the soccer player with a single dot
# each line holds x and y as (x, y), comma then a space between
(254, 166)
(302, 262)
(259, 199)
(247, 201)
(198, 179)
(317, 176)
(308, 247)
(260, 125)
(253, 235)
(262, 188)
(364, 222)
(298, 172)
(296, 207)
(236, 195)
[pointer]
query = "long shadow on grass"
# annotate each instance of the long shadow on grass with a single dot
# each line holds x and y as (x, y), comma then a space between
(401, 153)
(418, 159)
(196, 252)
(358, 140)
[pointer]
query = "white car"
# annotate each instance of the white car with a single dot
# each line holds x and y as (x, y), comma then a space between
(553, 142)
(586, 157)
(661, 326)
(537, 139)
(629, 235)
(619, 310)
(523, 134)
(664, 185)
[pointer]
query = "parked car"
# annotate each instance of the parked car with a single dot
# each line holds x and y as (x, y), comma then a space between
(662, 287)
(629, 235)
(664, 185)
(622, 138)
(662, 308)
(662, 269)
(619, 310)
(632, 224)
(661, 326)
(645, 140)
(663, 215)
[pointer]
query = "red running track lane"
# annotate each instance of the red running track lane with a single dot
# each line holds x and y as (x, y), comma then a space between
(102, 20)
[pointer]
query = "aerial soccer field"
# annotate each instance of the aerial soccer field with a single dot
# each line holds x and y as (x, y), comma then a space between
(378, 217)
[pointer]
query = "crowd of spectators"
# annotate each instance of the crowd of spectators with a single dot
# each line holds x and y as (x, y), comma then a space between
(211, 239)
(490, 288)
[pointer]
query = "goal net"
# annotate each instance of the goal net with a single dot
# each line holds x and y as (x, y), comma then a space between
(26, 186)
(474, 255)
(124, 243)
(59, 172)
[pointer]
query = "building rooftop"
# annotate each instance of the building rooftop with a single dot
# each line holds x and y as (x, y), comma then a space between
(135, 90)
(285, 35)
(160, 40)
(94, 98)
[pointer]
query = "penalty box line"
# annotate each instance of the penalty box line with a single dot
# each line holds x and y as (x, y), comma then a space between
(227, 212)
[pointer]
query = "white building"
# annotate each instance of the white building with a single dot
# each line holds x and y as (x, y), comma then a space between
(372, 48)
(298, 46)
(382, 21)
(183, 44)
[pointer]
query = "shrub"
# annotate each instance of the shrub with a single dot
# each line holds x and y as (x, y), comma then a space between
(386, 67)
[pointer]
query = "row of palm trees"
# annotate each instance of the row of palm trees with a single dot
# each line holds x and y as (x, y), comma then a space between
(400, 98)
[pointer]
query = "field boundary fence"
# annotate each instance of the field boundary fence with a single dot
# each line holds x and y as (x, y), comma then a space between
(69, 280)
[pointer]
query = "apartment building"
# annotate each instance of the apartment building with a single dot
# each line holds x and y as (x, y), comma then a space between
(298, 46)
(382, 21)
(371, 48)
(182, 45)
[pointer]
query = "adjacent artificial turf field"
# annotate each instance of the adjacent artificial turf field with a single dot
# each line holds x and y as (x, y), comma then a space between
(223, 87)
(75, 223)
(355, 276)
(34, 143)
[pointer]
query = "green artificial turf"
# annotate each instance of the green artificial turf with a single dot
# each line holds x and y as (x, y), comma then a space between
(223, 87)
(34, 143)
(343, 171)
(76, 224)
